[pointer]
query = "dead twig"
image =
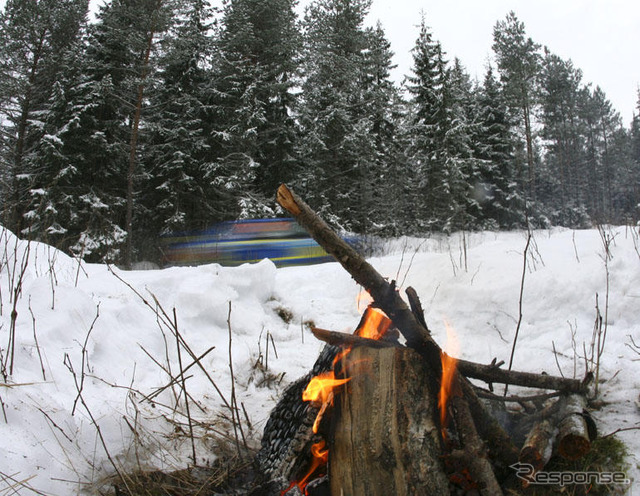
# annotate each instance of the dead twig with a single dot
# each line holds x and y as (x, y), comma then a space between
(51, 421)
(160, 313)
(184, 387)
(14, 484)
(85, 359)
(174, 380)
(69, 364)
(15, 291)
(633, 346)
(607, 240)
(519, 323)
(35, 339)
(235, 415)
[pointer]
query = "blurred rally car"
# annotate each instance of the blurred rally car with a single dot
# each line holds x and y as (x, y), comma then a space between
(232, 243)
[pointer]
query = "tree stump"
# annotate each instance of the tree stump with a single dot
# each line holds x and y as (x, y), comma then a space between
(384, 436)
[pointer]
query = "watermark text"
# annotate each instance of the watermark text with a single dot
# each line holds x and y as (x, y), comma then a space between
(527, 473)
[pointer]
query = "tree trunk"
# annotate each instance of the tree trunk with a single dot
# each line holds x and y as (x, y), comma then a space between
(133, 143)
(384, 437)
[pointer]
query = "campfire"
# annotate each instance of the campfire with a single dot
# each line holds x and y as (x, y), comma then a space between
(386, 411)
(320, 392)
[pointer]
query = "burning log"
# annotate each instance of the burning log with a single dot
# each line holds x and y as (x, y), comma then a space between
(498, 441)
(382, 292)
(385, 439)
(343, 339)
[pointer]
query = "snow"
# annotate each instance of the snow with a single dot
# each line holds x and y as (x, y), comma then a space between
(118, 324)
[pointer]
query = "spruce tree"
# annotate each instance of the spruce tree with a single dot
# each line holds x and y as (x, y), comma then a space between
(93, 145)
(336, 144)
(502, 206)
(59, 191)
(180, 150)
(463, 167)
(259, 47)
(34, 37)
(427, 86)
(440, 149)
(80, 194)
(384, 207)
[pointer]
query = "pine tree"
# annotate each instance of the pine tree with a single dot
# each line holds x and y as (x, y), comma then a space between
(628, 185)
(563, 131)
(635, 149)
(635, 132)
(518, 61)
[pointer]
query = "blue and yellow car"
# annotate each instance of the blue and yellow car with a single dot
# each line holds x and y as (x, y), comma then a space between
(233, 243)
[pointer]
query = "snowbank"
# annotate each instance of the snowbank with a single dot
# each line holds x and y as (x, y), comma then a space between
(109, 334)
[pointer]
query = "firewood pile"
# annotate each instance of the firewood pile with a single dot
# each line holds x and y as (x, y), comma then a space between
(386, 411)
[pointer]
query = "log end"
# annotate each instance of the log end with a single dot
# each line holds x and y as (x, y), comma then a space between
(573, 446)
(286, 200)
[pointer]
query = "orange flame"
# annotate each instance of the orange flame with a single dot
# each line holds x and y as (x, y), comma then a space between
(375, 324)
(449, 364)
(320, 389)
(320, 457)
(321, 386)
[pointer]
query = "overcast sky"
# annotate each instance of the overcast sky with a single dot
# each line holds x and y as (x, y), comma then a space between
(601, 37)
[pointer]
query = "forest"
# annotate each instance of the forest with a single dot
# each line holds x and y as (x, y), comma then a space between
(151, 117)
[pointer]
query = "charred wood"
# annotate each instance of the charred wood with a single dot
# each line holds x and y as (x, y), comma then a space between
(488, 373)
(343, 339)
(476, 455)
(538, 446)
(499, 443)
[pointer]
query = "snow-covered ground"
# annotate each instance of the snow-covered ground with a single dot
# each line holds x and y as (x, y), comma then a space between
(102, 331)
